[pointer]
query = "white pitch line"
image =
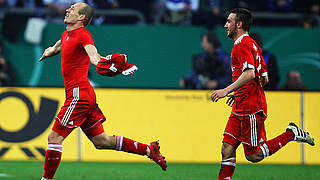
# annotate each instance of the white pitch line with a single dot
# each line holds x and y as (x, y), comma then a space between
(4, 175)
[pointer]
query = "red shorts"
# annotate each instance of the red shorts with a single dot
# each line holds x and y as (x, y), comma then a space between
(79, 109)
(248, 130)
(64, 131)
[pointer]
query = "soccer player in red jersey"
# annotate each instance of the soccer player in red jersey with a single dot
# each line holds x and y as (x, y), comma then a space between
(249, 107)
(80, 109)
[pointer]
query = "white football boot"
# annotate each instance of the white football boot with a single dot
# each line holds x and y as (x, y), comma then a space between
(300, 135)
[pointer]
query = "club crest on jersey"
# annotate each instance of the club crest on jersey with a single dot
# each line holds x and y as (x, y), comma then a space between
(67, 38)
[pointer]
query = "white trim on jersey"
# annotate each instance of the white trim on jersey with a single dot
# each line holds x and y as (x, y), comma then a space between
(247, 66)
(264, 74)
(71, 107)
(240, 38)
(250, 66)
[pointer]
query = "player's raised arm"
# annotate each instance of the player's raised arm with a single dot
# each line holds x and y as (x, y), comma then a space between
(243, 79)
(93, 54)
(51, 51)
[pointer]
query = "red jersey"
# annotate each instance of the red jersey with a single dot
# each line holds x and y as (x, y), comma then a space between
(250, 98)
(75, 61)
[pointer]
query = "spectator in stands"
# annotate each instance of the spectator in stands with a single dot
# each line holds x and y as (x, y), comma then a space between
(6, 75)
(210, 69)
(271, 61)
(2, 3)
(60, 6)
(310, 10)
(146, 7)
(280, 5)
(311, 7)
(293, 82)
(30, 4)
(177, 12)
(248, 4)
(104, 4)
(209, 13)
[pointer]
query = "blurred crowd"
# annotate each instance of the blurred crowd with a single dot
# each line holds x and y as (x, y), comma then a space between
(185, 12)
(210, 69)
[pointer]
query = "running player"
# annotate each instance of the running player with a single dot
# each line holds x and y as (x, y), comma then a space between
(249, 107)
(80, 109)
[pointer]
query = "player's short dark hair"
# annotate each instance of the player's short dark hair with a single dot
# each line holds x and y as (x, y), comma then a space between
(212, 39)
(87, 11)
(257, 38)
(243, 15)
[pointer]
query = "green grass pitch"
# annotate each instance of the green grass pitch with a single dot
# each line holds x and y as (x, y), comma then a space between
(32, 170)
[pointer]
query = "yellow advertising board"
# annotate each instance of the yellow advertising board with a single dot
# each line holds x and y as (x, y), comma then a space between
(188, 125)
(26, 120)
(312, 124)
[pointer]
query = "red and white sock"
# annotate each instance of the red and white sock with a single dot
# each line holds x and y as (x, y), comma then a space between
(227, 168)
(273, 145)
(52, 160)
(131, 146)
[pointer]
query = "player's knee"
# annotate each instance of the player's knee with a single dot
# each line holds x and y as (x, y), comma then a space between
(254, 158)
(105, 142)
(227, 151)
(55, 138)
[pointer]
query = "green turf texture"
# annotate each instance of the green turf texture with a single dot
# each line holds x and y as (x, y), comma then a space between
(32, 170)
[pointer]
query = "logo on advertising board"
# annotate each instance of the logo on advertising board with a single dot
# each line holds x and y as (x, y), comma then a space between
(35, 124)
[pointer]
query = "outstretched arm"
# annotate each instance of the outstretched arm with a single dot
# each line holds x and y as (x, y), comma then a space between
(51, 51)
(244, 78)
(93, 54)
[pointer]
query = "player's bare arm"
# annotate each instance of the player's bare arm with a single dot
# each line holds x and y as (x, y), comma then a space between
(51, 51)
(243, 79)
(264, 80)
(93, 54)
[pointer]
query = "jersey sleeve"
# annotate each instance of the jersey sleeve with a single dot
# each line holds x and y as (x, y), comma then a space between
(264, 70)
(86, 39)
(245, 57)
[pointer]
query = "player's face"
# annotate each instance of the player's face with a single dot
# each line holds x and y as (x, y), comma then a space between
(231, 25)
(72, 14)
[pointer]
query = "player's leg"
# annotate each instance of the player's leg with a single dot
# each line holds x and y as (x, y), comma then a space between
(230, 144)
(267, 148)
(54, 151)
(93, 129)
(102, 141)
(228, 163)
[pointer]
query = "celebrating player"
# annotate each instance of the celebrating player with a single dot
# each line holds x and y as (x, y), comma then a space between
(80, 108)
(249, 107)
